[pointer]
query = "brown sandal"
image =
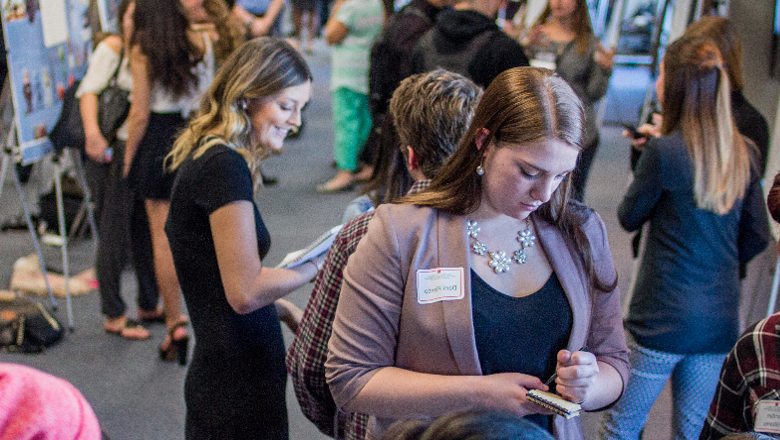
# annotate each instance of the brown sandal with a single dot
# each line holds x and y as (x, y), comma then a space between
(131, 325)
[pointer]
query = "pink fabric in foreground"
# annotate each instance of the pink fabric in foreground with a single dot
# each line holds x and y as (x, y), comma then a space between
(38, 406)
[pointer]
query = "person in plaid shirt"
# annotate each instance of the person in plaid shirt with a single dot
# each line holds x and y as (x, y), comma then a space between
(432, 112)
(750, 373)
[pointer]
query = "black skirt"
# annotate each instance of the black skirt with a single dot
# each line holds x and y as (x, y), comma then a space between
(147, 177)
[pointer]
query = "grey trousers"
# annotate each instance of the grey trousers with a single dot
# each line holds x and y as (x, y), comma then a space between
(123, 229)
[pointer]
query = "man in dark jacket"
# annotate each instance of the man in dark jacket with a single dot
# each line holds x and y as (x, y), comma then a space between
(466, 40)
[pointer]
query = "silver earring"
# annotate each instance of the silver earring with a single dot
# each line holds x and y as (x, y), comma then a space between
(242, 104)
(480, 169)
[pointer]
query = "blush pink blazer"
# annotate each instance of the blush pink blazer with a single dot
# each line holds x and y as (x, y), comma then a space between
(380, 323)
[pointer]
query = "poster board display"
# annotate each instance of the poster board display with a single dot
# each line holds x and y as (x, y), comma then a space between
(48, 44)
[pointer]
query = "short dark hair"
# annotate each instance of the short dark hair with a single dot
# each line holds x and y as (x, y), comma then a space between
(481, 424)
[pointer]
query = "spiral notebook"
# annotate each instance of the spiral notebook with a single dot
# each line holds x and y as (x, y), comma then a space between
(554, 403)
(317, 247)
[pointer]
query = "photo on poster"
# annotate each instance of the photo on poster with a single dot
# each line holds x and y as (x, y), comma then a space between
(46, 55)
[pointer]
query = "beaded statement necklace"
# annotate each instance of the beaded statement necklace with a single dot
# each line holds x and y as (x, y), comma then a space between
(498, 259)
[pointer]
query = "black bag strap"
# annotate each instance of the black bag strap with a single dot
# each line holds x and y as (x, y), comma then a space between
(112, 81)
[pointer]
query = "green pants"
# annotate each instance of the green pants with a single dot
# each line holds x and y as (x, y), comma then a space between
(351, 126)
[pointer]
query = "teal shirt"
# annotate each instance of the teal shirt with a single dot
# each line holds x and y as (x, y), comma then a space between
(349, 59)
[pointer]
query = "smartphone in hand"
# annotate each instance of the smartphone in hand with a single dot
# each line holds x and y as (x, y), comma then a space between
(633, 131)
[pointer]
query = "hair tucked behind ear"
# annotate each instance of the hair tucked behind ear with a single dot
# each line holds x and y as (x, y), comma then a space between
(259, 69)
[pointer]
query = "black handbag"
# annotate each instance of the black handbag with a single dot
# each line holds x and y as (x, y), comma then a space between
(26, 326)
(113, 107)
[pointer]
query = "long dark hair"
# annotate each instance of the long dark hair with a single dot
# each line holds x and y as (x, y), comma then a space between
(697, 101)
(522, 105)
(160, 30)
(582, 25)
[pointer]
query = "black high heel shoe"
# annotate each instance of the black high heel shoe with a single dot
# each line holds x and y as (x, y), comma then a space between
(177, 349)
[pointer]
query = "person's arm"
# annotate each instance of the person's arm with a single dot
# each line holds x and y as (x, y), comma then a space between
(754, 234)
(248, 285)
(306, 358)
(644, 191)
(361, 370)
(600, 66)
(773, 199)
(597, 377)
(335, 30)
(138, 117)
(102, 65)
(583, 379)
(398, 393)
(258, 26)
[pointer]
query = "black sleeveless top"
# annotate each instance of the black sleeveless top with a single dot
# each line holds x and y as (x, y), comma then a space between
(521, 335)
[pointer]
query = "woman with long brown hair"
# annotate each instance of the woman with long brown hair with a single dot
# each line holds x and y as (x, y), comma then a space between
(118, 212)
(699, 191)
(171, 64)
(471, 293)
(562, 39)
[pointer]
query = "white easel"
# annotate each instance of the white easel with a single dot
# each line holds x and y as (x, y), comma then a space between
(8, 159)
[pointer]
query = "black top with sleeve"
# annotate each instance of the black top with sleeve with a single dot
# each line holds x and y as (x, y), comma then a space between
(235, 386)
(521, 335)
(686, 299)
(752, 125)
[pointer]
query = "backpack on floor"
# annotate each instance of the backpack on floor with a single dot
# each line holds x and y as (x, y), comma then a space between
(25, 325)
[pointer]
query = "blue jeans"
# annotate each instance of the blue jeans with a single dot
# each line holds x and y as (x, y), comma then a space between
(694, 379)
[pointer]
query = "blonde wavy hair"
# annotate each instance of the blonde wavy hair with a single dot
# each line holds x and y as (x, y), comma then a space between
(697, 101)
(258, 69)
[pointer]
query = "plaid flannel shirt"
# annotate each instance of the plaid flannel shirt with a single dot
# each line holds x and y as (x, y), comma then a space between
(750, 373)
(306, 358)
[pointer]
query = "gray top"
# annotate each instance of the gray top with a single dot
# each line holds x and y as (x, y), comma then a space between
(588, 79)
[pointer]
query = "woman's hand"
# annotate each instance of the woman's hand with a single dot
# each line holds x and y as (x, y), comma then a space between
(536, 37)
(507, 391)
(95, 146)
(290, 314)
(576, 375)
(605, 58)
(647, 131)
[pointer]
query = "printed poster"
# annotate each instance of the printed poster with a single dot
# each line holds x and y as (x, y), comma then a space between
(48, 44)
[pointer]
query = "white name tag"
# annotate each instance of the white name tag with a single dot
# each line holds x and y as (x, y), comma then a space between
(768, 416)
(440, 284)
